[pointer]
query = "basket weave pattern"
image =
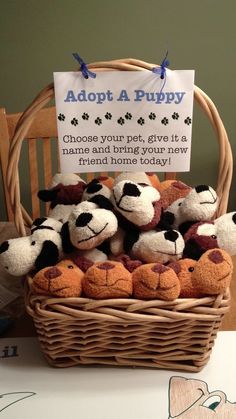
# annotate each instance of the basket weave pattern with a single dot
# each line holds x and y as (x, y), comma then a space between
(175, 335)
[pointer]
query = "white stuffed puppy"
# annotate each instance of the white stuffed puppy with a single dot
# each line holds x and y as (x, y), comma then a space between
(42, 248)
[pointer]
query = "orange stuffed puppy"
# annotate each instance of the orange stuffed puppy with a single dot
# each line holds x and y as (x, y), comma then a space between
(155, 281)
(63, 280)
(210, 275)
(107, 280)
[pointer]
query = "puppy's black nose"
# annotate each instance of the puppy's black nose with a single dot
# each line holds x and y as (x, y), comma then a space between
(202, 188)
(83, 219)
(131, 190)
(234, 218)
(4, 246)
(171, 235)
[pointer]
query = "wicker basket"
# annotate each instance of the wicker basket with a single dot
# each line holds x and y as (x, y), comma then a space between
(176, 335)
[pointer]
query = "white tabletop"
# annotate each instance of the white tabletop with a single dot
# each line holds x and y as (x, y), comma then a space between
(98, 392)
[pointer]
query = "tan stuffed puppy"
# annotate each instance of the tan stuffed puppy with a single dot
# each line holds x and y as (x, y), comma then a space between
(107, 280)
(184, 269)
(63, 280)
(155, 281)
(210, 275)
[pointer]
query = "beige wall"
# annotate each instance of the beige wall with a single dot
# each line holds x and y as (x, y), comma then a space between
(37, 37)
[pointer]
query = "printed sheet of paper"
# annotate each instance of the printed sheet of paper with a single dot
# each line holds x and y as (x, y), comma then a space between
(124, 121)
(29, 388)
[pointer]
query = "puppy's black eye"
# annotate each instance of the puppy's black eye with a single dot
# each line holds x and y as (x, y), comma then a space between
(179, 204)
(70, 267)
(191, 269)
(33, 243)
(213, 236)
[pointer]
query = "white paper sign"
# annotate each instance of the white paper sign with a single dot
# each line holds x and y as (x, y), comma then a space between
(124, 121)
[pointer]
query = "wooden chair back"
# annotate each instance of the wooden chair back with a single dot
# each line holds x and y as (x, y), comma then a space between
(43, 128)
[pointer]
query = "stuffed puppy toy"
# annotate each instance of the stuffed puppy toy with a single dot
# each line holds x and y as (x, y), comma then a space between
(88, 226)
(199, 238)
(42, 248)
(226, 232)
(64, 194)
(107, 280)
(63, 280)
(210, 275)
(172, 190)
(140, 204)
(200, 204)
(150, 246)
(155, 281)
(158, 246)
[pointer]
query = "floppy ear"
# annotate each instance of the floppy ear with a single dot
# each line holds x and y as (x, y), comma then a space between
(130, 239)
(166, 221)
(192, 250)
(183, 393)
(47, 195)
(102, 202)
(38, 221)
(49, 255)
(65, 236)
(4, 246)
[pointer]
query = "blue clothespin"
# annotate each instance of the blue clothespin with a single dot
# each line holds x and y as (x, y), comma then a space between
(162, 70)
(83, 67)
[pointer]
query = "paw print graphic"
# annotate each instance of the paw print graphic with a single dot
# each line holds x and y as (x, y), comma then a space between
(61, 117)
(98, 121)
(141, 121)
(175, 115)
(74, 122)
(165, 121)
(188, 121)
(128, 116)
(108, 115)
(121, 121)
(152, 116)
(85, 116)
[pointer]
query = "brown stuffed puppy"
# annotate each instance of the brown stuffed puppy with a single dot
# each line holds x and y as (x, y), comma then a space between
(155, 281)
(63, 280)
(171, 190)
(210, 275)
(107, 280)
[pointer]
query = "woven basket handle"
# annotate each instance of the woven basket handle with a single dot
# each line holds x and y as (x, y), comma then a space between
(225, 167)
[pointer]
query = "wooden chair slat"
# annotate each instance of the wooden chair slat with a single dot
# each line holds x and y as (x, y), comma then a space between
(47, 161)
(34, 181)
(4, 151)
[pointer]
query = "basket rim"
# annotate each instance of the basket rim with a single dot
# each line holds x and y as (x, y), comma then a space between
(207, 308)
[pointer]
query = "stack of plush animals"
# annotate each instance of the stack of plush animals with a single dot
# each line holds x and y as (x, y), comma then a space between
(128, 236)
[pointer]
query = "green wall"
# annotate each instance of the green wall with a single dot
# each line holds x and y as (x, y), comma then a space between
(37, 37)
